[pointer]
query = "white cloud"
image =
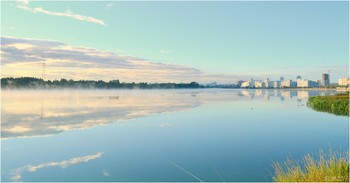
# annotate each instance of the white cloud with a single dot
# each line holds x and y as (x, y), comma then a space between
(163, 125)
(26, 8)
(33, 119)
(109, 5)
(17, 129)
(24, 5)
(65, 110)
(17, 173)
(165, 51)
(24, 57)
(24, 1)
(105, 173)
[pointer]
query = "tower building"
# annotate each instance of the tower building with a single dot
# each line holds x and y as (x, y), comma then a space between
(325, 80)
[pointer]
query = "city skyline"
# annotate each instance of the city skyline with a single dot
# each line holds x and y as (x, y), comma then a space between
(151, 42)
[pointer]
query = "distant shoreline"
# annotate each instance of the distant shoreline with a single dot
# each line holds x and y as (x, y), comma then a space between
(32, 83)
(286, 88)
(212, 88)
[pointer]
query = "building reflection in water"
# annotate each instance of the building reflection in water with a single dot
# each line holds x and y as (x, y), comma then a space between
(300, 95)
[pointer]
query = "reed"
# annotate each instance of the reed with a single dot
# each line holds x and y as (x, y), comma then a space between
(321, 167)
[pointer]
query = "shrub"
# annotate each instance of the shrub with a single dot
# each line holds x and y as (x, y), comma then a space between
(336, 104)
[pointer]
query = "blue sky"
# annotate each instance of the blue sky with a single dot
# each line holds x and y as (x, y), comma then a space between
(219, 40)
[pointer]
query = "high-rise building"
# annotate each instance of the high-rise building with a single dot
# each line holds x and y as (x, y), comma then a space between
(268, 83)
(325, 80)
(277, 84)
(281, 78)
(298, 77)
(344, 81)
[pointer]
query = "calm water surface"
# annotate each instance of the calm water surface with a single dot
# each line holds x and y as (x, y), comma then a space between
(160, 135)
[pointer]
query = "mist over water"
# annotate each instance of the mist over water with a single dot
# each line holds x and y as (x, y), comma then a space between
(160, 135)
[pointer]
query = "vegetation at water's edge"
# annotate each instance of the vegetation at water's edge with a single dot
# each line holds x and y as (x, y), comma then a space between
(36, 83)
(331, 167)
(335, 104)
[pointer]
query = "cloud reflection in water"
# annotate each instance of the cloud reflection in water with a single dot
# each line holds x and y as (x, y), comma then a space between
(30, 113)
(40, 113)
(17, 173)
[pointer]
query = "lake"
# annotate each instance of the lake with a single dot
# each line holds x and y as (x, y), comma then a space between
(160, 135)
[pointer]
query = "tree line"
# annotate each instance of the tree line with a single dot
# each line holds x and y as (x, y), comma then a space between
(38, 83)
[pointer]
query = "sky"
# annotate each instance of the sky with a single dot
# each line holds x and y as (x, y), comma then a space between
(175, 41)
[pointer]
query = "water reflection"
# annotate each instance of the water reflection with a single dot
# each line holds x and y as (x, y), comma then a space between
(38, 113)
(215, 135)
(41, 113)
(17, 173)
(300, 95)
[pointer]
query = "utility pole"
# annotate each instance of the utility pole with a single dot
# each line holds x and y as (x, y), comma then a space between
(43, 94)
(44, 65)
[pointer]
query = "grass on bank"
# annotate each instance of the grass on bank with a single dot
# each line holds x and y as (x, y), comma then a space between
(322, 167)
(335, 104)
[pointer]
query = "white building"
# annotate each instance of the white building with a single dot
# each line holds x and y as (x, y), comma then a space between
(245, 84)
(304, 83)
(248, 84)
(288, 83)
(343, 82)
(259, 84)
